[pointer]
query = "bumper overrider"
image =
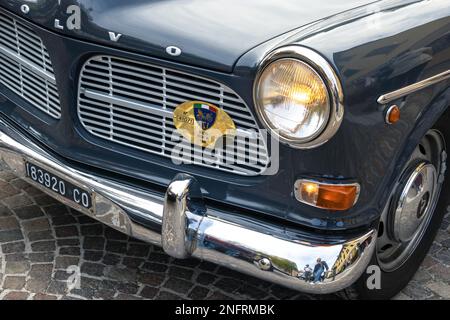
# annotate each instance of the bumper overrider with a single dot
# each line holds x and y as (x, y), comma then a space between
(191, 229)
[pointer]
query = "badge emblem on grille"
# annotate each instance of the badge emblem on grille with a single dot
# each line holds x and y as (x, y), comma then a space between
(202, 123)
(205, 115)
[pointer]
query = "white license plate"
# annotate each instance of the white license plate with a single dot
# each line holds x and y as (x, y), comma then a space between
(58, 185)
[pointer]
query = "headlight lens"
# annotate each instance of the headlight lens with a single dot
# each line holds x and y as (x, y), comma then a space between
(293, 99)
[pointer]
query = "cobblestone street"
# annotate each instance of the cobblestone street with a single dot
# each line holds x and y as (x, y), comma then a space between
(40, 239)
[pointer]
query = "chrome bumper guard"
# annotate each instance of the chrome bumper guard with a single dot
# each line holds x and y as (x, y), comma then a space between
(190, 229)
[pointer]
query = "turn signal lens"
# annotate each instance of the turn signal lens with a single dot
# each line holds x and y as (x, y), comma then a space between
(335, 197)
(393, 115)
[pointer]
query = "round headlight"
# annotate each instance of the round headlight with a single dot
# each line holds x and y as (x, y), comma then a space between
(296, 100)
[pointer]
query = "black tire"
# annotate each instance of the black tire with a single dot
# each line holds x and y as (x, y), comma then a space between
(393, 282)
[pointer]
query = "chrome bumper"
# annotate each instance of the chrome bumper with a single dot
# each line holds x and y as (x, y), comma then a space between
(189, 228)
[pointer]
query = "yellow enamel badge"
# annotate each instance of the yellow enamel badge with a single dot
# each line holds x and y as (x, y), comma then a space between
(202, 123)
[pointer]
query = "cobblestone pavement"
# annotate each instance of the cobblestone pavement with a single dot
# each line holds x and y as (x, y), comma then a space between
(40, 239)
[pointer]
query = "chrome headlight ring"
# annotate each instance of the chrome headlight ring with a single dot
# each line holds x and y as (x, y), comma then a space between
(327, 75)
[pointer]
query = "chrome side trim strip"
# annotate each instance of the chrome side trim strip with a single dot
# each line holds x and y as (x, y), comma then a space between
(27, 64)
(269, 252)
(391, 96)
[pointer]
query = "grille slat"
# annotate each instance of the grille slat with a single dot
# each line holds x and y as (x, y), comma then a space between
(172, 78)
(137, 123)
(131, 103)
(26, 68)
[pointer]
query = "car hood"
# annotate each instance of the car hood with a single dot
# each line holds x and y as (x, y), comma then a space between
(211, 34)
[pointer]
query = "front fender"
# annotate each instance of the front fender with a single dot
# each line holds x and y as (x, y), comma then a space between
(376, 52)
(427, 116)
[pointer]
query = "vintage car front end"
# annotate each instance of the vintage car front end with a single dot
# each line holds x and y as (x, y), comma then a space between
(94, 97)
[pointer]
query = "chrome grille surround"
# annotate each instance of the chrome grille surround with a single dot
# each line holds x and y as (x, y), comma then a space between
(131, 103)
(25, 66)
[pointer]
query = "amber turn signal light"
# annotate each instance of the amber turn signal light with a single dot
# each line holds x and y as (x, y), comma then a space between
(335, 197)
(393, 115)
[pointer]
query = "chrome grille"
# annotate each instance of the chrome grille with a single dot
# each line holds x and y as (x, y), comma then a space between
(131, 103)
(25, 66)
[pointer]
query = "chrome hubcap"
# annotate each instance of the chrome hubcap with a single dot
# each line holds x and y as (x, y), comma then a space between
(412, 205)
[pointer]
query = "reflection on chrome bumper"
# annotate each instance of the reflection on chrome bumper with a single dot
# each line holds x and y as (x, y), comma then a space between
(189, 228)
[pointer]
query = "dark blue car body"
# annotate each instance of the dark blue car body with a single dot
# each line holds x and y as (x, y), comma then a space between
(374, 47)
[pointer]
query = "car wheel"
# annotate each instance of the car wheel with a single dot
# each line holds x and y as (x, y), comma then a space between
(410, 221)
